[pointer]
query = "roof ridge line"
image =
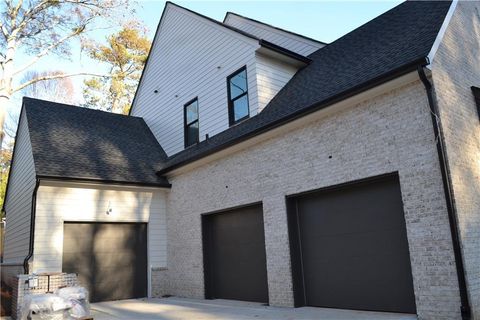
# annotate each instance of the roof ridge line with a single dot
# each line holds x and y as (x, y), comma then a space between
(363, 25)
(246, 34)
(61, 104)
(274, 27)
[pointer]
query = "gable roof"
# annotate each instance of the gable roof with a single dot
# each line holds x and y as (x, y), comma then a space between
(230, 13)
(77, 143)
(395, 43)
(222, 24)
(261, 42)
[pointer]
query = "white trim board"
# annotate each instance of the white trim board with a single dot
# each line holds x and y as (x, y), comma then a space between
(441, 33)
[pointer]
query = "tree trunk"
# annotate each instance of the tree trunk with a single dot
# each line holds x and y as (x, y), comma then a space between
(4, 100)
(6, 84)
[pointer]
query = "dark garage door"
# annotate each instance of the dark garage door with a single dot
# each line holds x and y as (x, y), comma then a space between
(234, 255)
(349, 248)
(109, 258)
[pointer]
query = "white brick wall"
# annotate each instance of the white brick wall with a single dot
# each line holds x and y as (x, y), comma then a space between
(392, 132)
(456, 67)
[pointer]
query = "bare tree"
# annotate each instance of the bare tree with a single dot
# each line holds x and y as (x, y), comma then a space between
(58, 89)
(40, 28)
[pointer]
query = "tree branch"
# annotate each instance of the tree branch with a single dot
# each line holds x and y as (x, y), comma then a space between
(58, 76)
(48, 49)
(31, 12)
(4, 30)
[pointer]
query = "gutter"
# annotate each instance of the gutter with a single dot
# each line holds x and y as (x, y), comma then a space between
(32, 226)
(283, 51)
(465, 308)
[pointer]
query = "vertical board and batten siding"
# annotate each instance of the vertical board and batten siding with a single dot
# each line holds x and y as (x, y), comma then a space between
(60, 202)
(287, 40)
(455, 69)
(272, 76)
(19, 198)
(192, 57)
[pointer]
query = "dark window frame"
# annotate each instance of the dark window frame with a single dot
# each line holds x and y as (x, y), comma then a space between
(187, 125)
(476, 96)
(231, 111)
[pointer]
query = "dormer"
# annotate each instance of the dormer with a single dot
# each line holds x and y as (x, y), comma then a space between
(203, 76)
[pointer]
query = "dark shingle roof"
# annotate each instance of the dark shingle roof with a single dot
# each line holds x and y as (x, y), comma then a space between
(81, 143)
(399, 40)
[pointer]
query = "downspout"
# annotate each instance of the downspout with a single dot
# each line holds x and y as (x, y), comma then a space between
(447, 188)
(32, 227)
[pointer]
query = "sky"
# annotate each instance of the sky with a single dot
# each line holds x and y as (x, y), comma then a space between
(325, 21)
(321, 20)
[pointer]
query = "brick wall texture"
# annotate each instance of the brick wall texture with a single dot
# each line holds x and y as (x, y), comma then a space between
(45, 285)
(388, 133)
(456, 67)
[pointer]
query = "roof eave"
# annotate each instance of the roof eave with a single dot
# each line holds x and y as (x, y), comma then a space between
(103, 181)
(266, 45)
(272, 26)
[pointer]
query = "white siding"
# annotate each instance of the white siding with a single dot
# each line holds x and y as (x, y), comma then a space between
(19, 198)
(272, 75)
(192, 57)
(287, 40)
(59, 202)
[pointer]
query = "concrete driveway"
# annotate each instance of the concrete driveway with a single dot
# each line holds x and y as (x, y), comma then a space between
(180, 308)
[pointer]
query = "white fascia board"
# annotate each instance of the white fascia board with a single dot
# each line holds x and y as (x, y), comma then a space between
(441, 33)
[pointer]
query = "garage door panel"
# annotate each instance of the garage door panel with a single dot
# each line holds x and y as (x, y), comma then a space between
(365, 244)
(110, 258)
(326, 272)
(79, 265)
(352, 249)
(107, 261)
(108, 290)
(349, 206)
(76, 243)
(234, 248)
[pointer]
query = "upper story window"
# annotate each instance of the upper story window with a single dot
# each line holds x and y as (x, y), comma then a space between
(476, 94)
(191, 122)
(238, 109)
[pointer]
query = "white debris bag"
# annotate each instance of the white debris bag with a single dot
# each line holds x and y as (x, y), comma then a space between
(65, 303)
(78, 297)
(77, 293)
(46, 306)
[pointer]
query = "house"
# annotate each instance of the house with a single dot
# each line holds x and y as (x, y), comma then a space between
(261, 165)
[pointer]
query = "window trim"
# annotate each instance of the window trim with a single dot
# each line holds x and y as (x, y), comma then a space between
(187, 125)
(231, 113)
(476, 98)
